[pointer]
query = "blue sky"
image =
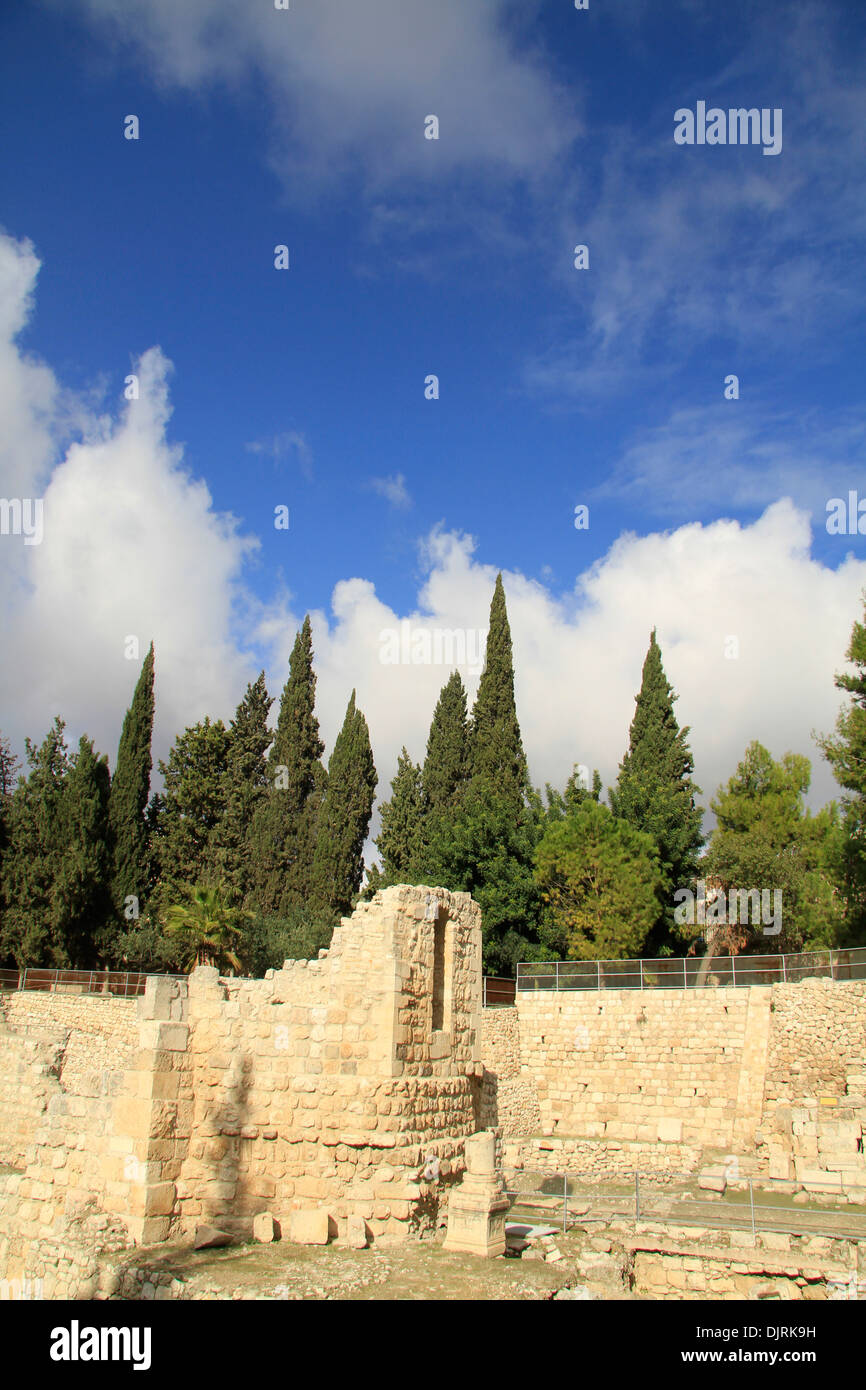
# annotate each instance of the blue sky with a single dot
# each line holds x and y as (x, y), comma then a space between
(455, 257)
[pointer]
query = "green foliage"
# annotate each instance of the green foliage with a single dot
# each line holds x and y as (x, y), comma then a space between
(130, 789)
(205, 929)
(765, 838)
(599, 879)
(56, 873)
(299, 935)
(244, 793)
(485, 850)
(189, 810)
(496, 755)
(399, 841)
(655, 793)
(284, 829)
(846, 753)
(344, 817)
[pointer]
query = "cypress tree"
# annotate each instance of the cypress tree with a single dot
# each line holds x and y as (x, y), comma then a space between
(130, 789)
(445, 775)
(189, 809)
(246, 785)
(82, 890)
(31, 865)
(57, 874)
(846, 753)
(654, 790)
(399, 841)
(345, 815)
(485, 845)
(283, 835)
(446, 766)
(496, 747)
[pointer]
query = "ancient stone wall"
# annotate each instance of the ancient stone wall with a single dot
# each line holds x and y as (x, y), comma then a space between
(327, 1085)
(509, 1095)
(667, 1066)
(818, 1036)
(56, 1045)
(332, 1081)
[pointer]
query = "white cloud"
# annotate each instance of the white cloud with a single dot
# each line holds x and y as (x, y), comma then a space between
(350, 85)
(393, 489)
(133, 545)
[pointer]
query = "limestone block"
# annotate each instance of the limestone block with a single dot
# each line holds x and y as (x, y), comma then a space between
(670, 1131)
(264, 1228)
(309, 1227)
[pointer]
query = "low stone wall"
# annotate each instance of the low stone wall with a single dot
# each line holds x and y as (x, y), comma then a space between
(52, 1045)
(818, 1037)
(509, 1095)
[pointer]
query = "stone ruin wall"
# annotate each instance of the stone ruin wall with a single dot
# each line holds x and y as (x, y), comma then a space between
(325, 1085)
(615, 1080)
(328, 1084)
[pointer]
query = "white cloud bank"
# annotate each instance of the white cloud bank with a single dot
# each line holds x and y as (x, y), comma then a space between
(133, 545)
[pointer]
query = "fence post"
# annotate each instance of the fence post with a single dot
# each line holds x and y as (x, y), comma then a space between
(565, 1204)
(55, 981)
(637, 1196)
(484, 992)
(685, 976)
(784, 972)
(557, 977)
(641, 973)
(598, 974)
(752, 1211)
(832, 967)
(734, 969)
(22, 981)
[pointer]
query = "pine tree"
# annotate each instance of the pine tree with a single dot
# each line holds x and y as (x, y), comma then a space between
(245, 792)
(130, 789)
(345, 815)
(399, 841)
(599, 880)
(283, 835)
(655, 792)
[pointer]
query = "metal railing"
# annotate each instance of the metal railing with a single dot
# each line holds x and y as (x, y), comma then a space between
(690, 972)
(123, 983)
(497, 990)
(567, 1198)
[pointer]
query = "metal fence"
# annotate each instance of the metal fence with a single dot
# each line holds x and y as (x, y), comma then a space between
(127, 984)
(690, 972)
(497, 990)
(565, 1199)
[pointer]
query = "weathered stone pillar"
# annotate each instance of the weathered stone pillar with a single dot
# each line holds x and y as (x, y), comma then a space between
(476, 1209)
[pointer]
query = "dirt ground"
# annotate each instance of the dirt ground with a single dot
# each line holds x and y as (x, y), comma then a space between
(420, 1270)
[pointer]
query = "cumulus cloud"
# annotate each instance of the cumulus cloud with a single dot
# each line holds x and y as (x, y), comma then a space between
(134, 546)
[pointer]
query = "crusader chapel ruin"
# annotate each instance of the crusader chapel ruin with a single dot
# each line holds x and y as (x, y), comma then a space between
(344, 1097)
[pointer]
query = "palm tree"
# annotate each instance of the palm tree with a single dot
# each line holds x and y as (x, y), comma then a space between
(206, 928)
